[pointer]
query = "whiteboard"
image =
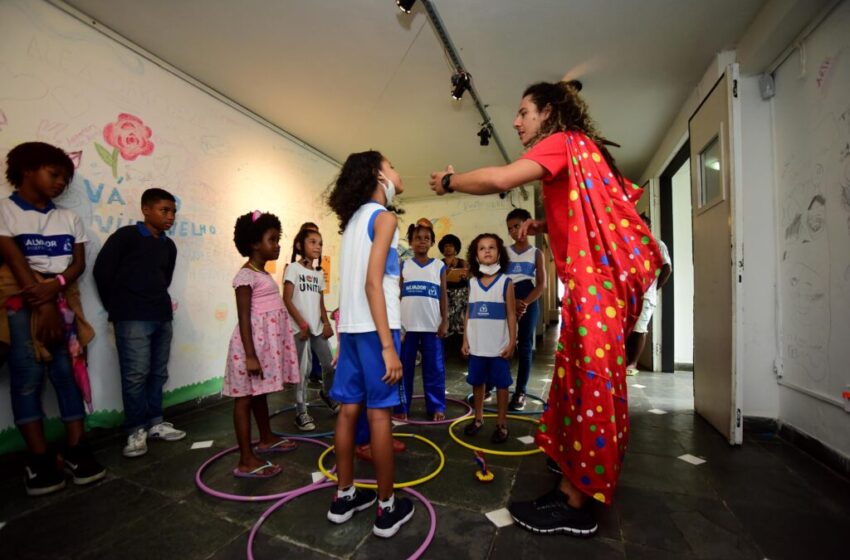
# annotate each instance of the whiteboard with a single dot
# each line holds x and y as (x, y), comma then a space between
(811, 120)
(62, 82)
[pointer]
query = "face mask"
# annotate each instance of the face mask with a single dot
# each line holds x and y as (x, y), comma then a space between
(389, 189)
(489, 269)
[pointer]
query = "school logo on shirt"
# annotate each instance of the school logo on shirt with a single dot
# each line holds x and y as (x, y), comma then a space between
(487, 310)
(414, 288)
(35, 245)
(308, 283)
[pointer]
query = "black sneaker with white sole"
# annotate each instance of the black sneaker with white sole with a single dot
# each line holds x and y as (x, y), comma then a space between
(41, 476)
(518, 402)
(390, 520)
(82, 466)
(551, 514)
(342, 509)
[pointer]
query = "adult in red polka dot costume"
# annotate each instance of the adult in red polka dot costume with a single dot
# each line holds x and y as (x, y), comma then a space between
(606, 258)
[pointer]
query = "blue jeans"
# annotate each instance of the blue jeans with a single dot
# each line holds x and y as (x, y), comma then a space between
(143, 351)
(27, 375)
(525, 336)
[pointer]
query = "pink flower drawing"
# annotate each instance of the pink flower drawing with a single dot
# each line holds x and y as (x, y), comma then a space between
(129, 137)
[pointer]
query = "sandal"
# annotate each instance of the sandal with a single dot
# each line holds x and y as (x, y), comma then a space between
(265, 471)
(500, 434)
(280, 446)
(474, 427)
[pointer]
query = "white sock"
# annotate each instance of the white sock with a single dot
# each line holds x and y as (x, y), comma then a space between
(388, 503)
(347, 493)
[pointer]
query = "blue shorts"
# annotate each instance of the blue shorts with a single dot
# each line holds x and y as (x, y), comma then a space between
(360, 369)
(491, 371)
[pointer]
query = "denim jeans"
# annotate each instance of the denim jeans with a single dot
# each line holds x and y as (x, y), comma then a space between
(143, 351)
(27, 375)
(526, 327)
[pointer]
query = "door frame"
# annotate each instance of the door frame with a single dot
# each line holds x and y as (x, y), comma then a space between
(668, 309)
(735, 193)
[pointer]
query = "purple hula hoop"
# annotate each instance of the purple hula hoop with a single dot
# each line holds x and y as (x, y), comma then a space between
(318, 486)
(437, 422)
(236, 497)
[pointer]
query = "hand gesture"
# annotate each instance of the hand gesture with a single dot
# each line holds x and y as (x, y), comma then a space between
(436, 181)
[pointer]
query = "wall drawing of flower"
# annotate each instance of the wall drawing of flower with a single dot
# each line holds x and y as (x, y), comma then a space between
(129, 138)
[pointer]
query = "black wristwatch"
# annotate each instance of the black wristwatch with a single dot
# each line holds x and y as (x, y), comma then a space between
(446, 183)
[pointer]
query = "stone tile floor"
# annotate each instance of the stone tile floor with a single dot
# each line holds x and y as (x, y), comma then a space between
(765, 499)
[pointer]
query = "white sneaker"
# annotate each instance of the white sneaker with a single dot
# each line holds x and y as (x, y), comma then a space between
(136, 444)
(166, 431)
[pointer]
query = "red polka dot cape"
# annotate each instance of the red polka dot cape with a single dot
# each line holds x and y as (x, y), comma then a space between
(606, 258)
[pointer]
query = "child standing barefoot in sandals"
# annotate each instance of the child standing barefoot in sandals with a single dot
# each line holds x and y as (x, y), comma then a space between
(261, 357)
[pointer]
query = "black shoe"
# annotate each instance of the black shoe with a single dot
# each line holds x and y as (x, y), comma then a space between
(473, 427)
(500, 434)
(488, 397)
(550, 514)
(342, 509)
(517, 402)
(553, 466)
(329, 402)
(81, 464)
(41, 476)
(315, 379)
(390, 520)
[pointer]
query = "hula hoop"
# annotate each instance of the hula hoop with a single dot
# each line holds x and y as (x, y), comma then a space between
(238, 497)
(320, 485)
(330, 476)
(436, 422)
(515, 412)
(306, 435)
(490, 451)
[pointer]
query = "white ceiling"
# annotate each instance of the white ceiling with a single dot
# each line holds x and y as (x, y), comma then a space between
(351, 75)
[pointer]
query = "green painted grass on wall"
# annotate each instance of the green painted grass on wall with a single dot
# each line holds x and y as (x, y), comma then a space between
(11, 440)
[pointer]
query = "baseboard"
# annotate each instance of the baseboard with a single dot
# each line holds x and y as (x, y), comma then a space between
(683, 367)
(826, 455)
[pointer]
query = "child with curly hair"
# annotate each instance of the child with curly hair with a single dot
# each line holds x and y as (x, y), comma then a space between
(261, 356)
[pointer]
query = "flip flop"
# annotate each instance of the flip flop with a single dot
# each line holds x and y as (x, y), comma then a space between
(281, 446)
(273, 470)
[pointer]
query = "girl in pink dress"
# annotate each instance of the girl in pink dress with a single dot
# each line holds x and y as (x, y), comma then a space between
(261, 357)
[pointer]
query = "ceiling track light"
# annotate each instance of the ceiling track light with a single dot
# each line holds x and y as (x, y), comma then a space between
(405, 5)
(484, 134)
(461, 81)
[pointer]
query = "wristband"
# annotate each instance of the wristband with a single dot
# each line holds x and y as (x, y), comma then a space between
(61, 280)
(446, 183)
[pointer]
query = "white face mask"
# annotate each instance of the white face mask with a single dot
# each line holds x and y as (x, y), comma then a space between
(389, 189)
(489, 269)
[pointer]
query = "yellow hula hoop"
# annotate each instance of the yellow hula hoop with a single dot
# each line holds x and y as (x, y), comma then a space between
(492, 451)
(330, 476)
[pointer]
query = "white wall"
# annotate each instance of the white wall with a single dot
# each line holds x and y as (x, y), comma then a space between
(62, 82)
(683, 267)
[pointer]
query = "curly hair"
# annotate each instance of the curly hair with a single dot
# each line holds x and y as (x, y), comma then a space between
(413, 228)
(300, 239)
(449, 239)
(32, 156)
(472, 254)
(355, 184)
(248, 231)
(568, 112)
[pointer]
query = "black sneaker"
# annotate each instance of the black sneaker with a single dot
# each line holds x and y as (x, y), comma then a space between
(390, 520)
(81, 464)
(317, 379)
(517, 402)
(41, 476)
(342, 509)
(553, 466)
(329, 402)
(488, 397)
(550, 514)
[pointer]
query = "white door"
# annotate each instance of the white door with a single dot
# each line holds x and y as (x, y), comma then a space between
(714, 130)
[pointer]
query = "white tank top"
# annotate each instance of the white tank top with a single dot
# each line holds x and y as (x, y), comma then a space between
(487, 328)
(523, 265)
(354, 313)
(420, 295)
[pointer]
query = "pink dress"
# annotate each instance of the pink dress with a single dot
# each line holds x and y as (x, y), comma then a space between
(273, 341)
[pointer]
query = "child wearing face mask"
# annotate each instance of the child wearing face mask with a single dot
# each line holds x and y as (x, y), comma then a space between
(489, 338)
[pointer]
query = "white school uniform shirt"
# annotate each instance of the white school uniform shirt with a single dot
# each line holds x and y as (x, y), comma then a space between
(651, 293)
(45, 237)
(420, 295)
(354, 313)
(523, 266)
(487, 327)
(308, 285)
